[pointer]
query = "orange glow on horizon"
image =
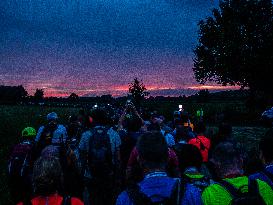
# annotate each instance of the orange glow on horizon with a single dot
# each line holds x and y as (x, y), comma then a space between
(121, 90)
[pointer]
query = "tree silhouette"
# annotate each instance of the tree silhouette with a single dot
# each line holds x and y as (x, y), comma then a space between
(12, 93)
(235, 45)
(138, 91)
(73, 97)
(39, 95)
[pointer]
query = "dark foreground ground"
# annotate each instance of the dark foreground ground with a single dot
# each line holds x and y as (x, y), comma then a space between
(14, 118)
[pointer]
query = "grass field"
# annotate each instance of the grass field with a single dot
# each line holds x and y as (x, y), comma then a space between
(14, 118)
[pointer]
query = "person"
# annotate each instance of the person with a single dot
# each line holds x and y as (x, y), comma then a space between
(20, 164)
(266, 155)
(48, 184)
(156, 185)
(129, 137)
(190, 162)
(74, 130)
(200, 141)
(181, 136)
(156, 126)
(183, 119)
(229, 168)
(51, 133)
(100, 156)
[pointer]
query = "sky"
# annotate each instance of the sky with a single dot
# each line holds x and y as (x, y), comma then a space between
(95, 47)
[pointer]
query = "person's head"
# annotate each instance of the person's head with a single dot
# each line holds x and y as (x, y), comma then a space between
(155, 118)
(52, 117)
(266, 148)
(153, 151)
(28, 133)
(99, 116)
(227, 160)
(133, 124)
(189, 156)
(176, 115)
(47, 176)
(200, 128)
(181, 134)
(153, 127)
(185, 116)
(50, 151)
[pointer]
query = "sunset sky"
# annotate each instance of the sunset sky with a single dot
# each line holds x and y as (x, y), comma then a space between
(94, 47)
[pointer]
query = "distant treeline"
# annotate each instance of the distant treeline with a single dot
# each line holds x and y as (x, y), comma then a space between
(18, 95)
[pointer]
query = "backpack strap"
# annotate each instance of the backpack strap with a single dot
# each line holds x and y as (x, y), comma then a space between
(253, 188)
(235, 193)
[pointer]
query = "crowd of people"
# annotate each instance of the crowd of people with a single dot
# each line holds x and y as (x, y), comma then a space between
(131, 157)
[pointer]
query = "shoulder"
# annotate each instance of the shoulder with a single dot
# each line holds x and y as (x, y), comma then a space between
(61, 127)
(112, 132)
(216, 194)
(76, 201)
(255, 176)
(192, 141)
(41, 128)
(192, 195)
(265, 191)
(87, 133)
(123, 199)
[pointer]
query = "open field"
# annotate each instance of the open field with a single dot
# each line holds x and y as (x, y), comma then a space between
(14, 118)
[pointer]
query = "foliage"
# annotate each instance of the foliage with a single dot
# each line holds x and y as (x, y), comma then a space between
(138, 91)
(12, 93)
(235, 45)
(39, 94)
(73, 97)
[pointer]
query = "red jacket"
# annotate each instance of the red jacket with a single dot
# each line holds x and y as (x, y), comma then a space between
(204, 149)
(52, 200)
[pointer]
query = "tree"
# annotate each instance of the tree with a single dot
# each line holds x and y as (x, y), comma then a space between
(235, 45)
(39, 94)
(12, 94)
(138, 91)
(73, 97)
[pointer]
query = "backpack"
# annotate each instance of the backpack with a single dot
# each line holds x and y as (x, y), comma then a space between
(100, 153)
(240, 198)
(139, 198)
(19, 162)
